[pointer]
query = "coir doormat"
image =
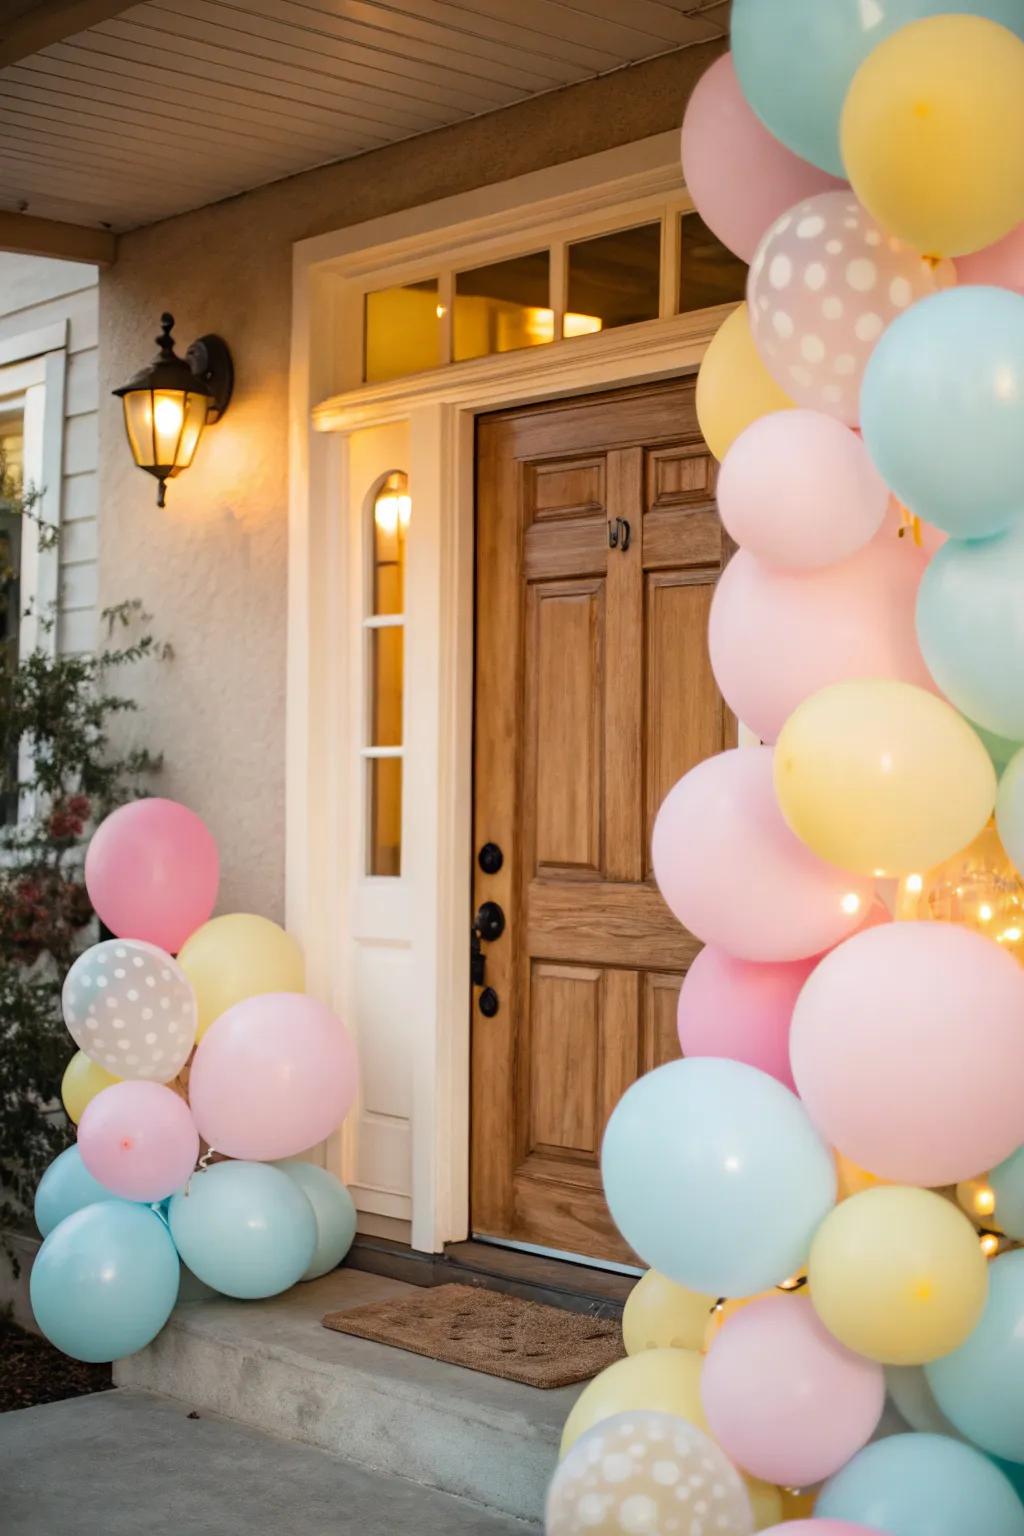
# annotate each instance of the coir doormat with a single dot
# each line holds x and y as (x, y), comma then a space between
(490, 1332)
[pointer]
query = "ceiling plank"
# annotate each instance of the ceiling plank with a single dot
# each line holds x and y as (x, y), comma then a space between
(43, 22)
(47, 237)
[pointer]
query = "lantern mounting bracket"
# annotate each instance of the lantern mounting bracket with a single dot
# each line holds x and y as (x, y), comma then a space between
(210, 360)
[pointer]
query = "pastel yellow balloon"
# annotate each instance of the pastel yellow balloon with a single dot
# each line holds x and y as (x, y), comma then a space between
(854, 1180)
(881, 777)
(83, 1079)
(662, 1380)
(931, 133)
(660, 1314)
(765, 1503)
(897, 1275)
(231, 958)
(734, 388)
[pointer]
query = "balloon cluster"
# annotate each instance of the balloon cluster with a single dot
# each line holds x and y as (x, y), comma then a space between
(191, 1029)
(829, 1186)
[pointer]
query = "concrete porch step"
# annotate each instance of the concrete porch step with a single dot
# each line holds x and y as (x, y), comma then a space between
(124, 1462)
(271, 1365)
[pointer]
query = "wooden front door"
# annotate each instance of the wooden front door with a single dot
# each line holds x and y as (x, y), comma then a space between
(598, 545)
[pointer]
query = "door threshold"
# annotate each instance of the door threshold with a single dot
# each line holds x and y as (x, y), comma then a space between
(609, 1266)
(573, 1286)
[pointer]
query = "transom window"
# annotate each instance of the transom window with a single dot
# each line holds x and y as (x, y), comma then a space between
(569, 289)
(384, 630)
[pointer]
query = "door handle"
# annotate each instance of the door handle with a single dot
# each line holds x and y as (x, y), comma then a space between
(619, 534)
(489, 922)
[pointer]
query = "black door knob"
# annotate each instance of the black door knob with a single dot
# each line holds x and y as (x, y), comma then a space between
(489, 921)
(488, 1002)
(490, 858)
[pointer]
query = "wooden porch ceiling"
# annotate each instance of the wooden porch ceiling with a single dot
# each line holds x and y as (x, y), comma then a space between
(115, 116)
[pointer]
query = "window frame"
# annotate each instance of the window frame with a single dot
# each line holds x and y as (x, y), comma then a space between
(370, 751)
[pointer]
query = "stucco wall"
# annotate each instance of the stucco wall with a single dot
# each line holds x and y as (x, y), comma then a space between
(211, 566)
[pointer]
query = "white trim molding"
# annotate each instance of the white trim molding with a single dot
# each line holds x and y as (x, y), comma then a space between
(333, 418)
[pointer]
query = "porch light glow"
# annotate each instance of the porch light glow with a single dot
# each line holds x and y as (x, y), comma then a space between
(168, 403)
(392, 507)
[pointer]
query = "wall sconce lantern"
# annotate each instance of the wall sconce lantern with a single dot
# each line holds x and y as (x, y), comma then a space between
(169, 402)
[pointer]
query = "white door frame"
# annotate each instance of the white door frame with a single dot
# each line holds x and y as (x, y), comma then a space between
(328, 406)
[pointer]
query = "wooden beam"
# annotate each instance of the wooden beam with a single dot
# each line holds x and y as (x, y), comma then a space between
(42, 22)
(48, 237)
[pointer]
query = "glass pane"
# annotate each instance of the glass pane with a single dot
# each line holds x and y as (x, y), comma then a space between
(196, 407)
(384, 854)
(402, 331)
(709, 273)
(503, 307)
(11, 527)
(614, 280)
(386, 655)
(138, 421)
(392, 509)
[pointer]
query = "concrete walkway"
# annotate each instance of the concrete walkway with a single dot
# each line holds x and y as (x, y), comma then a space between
(127, 1462)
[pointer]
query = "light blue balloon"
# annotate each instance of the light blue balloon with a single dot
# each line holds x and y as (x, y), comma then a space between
(246, 1229)
(942, 410)
(796, 59)
(1014, 1472)
(970, 626)
(66, 1186)
(715, 1175)
(1010, 809)
(980, 1386)
(105, 1281)
(333, 1208)
(1007, 1184)
(923, 1485)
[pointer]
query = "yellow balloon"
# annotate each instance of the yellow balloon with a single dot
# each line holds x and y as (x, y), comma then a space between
(83, 1079)
(765, 1503)
(897, 1275)
(978, 888)
(231, 958)
(660, 1314)
(881, 777)
(662, 1380)
(734, 388)
(854, 1180)
(932, 131)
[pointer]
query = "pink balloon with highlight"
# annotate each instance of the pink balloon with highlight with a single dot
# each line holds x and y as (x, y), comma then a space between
(139, 1140)
(152, 872)
(783, 1398)
(736, 876)
(906, 1050)
(739, 176)
(798, 489)
(777, 636)
(272, 1076)
(997, 266)
(825, 283)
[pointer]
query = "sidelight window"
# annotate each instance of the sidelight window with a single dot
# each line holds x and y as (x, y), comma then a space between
(384, 629)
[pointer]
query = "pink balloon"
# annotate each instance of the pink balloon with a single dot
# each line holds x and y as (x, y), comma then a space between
(739, 176)
(272, 1076)
(152, 872)
(775, 637)
(798, 489)
(736, 876)
(823, 286)
(139, 1140)
(1000, 265)
(906, 1049)
(783, 1398)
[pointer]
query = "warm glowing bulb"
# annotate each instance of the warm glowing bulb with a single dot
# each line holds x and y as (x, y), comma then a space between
(915, 884)
(985, 912)
(985, 1200)
(850, 903)
(1011, 935)
(169, 416)
(989, 1244)
(440, 311)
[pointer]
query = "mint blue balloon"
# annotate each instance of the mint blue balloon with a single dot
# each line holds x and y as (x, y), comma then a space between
(1013, 1471)
(715, 1175)
(942, 410)
(970, 626)
(1007, 1183)
(980, 1386)
(923, 1485)
(333, 1208)
(246, 1229)
(105, 1281)
(66, 1186)
(796, 59)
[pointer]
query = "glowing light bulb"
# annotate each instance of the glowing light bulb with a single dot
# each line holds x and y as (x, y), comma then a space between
(989, 1244)
(850, 903)
(169, 416)
(915, 884)
(985, 1200)
(985, 912)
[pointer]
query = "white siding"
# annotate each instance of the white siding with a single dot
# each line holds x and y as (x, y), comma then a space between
(36, 292)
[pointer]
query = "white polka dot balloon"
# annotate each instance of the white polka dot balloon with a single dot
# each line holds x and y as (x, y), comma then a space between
(131, 1009)
(647, 1474)
(825, 282)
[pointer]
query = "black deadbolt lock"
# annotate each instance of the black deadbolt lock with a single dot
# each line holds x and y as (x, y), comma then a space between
(488, 1002)
(490, 858)
(489, 922)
